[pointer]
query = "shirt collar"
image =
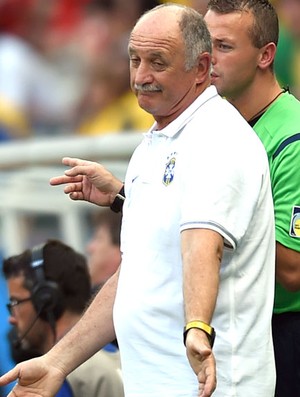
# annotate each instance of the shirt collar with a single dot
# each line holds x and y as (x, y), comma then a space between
(176, 125)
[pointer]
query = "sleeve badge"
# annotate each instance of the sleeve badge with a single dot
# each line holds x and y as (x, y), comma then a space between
(295, 222)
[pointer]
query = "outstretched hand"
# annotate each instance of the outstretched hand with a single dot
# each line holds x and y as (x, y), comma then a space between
(34, 378)
(89, 181)
(202, 361)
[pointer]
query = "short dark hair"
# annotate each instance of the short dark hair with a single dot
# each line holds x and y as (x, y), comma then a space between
(63, 265)
(265, 27)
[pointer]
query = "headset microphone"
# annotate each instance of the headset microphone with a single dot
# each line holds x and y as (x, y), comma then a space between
(18, 342)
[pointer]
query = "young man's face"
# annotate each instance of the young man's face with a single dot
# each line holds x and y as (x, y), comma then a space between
(235, 59)
(104, 257)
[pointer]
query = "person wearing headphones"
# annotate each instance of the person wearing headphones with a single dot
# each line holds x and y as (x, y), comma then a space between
(49, 288)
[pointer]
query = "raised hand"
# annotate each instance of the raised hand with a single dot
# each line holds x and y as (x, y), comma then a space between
(89, 181)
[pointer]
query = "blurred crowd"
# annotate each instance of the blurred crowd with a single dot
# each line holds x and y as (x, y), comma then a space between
(64, 65)
(288, 52)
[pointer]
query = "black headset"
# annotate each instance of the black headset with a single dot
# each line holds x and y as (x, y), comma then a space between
(46, 295)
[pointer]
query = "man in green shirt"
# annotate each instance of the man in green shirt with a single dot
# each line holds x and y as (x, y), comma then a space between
(245, 36)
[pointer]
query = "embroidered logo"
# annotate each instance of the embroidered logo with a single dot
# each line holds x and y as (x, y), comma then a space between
(169, 170)
(295, 222)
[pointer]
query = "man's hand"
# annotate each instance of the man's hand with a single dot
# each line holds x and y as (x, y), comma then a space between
(34, 378)
(88, 181)
(202, 361)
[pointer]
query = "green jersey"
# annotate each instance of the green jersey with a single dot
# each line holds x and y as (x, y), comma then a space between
(279, 130)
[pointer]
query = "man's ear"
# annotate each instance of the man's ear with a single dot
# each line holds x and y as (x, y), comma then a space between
(267, 55)
(204, 66)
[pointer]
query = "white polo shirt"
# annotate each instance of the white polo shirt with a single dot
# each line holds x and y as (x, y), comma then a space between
(207, 169)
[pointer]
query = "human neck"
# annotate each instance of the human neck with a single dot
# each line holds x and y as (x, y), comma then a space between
(63, 325)
(257, 98)
(192, 95)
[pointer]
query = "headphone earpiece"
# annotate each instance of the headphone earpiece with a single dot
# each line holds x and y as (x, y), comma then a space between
(46, 295)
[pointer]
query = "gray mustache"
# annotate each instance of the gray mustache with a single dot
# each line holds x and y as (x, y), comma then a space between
(147, 88)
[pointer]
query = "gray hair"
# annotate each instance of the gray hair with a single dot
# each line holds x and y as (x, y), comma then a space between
(195, 34)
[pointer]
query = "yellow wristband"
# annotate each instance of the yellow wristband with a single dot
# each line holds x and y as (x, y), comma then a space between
(210, 331)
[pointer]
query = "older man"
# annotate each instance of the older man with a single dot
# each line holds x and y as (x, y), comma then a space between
(197, 236)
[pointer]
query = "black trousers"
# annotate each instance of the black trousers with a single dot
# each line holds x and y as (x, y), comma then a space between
(286, 338)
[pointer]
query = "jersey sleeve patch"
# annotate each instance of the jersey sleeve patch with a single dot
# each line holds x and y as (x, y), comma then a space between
(295, 222)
